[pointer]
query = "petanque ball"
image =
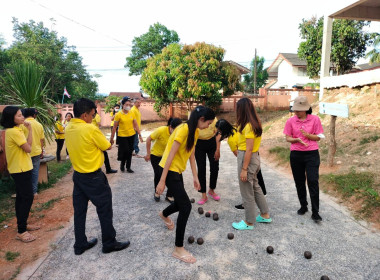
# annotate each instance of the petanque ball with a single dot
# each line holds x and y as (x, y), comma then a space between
(324, 277)
(191, 239)
(230, 236)
(215, 216)
(200, 241)
(200, 210)
(207, 214)
(192, 200)
(270, 250)
(307, 255)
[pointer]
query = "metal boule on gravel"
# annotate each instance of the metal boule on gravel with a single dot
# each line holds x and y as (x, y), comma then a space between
(192, 200)
(191, 239)
(207, 214)
(324, 277)
(270, 250)
(215, 216)
(230, 236)
(200, 241)
(307, 255)
(200, 210)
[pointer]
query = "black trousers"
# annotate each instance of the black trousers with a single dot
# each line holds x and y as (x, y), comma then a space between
(207, 148)
(24, 198)
(59, 148)
(155, 160)
(182, 204)
(305, 166)
(125, 150)
(107, 161)
(94, 187)
(261, 182)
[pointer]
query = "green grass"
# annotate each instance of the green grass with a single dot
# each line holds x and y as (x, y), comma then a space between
(44, 206)
(369, 139)
(17, 272)
(56, 172)
(266, 128)
(361, 185)
(11, 256)
(283, 154)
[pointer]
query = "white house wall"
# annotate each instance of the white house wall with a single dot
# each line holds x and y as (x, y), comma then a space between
(289, 76)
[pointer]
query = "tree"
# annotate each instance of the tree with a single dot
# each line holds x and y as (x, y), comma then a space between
(348, 44)
(25, 87)
(61, 64)
(261, 75)
(189, 73)
(148, 45)
(374, 54)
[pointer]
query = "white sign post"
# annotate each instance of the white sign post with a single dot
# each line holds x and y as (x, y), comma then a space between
(335, 110)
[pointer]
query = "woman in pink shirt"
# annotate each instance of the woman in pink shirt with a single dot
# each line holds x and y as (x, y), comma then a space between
(303, 131)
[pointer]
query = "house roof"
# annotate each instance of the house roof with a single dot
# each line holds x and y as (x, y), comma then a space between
(132, 95)
(367, 66)
(291, 58)
(241, 68)
(360, 10)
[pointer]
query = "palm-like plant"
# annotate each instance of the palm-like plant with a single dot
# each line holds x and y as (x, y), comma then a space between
(24, 85)
(374, 55)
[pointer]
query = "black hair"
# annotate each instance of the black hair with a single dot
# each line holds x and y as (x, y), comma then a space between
(226, 128)
(118, 105)
(68, 113)
(173, 123)
(29, 112)
(196, 114)
(82, 106)
(246, 113)
(8, 116)
(125, 99)
(309, 112)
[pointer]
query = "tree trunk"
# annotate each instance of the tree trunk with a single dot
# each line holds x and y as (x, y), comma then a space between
(332, 142)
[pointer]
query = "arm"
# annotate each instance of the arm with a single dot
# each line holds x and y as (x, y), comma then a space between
(161, 185)
(247, 159)
(310, 136)
(197, 185)
(235, 153)
(115, 125)
(295, 140)
(136, 127)
(148, 142)
(217, 152)
(27, 147)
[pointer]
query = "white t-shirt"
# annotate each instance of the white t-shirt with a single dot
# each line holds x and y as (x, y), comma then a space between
(293, 96)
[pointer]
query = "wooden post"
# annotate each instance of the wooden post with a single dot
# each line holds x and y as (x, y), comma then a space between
(332, 142)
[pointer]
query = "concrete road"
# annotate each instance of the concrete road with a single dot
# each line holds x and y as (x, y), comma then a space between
(341, 247)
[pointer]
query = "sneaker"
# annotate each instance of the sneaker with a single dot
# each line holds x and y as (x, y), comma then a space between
(241, 226)
(316, 217)
(130, 170)
(240, 206)
(169, 199)
(260, 219)
(202, 201)
(156, 198)
(302, 210)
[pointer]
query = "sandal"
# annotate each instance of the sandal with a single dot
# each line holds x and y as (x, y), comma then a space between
(32, 227)
(202, 201)
(185, 258)
(25, 237)
(169, 225)
(214, 196)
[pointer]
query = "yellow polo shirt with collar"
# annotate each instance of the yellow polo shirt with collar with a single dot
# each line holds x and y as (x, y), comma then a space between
(248, 133)
(182, 156)
(96, 120)
(85, 144)
(59, 127)
(233, 141)
(112, 122)
(160, 136)
(17, 159)
(137, 115)
(38, 135)
(208, 133)
(125, 121)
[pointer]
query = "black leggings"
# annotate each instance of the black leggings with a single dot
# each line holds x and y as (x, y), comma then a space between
(207, 148)
(182, 204)
(59, 148)
(125, 150)
(24, 198)
(306, 162)
(155, 160)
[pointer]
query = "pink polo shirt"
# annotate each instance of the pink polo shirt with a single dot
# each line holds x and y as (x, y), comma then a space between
(312, 124)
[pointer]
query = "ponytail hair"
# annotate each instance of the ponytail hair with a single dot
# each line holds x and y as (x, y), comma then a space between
(226, 129)
(192, 123)
(173, 123)
(246, 113)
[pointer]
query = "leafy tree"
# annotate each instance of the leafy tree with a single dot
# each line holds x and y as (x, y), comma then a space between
(148, 45)
(61, 64)
(4, 60)
(189, 73)
(348, 44)
(261, 75)
(374, 54)
(110, 103)
(25, 87)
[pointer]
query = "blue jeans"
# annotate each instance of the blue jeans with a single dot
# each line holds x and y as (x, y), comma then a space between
(136, 144)
(35, 170)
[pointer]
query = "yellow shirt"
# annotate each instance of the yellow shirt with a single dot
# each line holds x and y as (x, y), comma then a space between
(233, 141)
(38, 134)
(85, 144)
(137, 115)
(182, 156)
(208, 133)
(111, 115)
(59, 127)
(247, 133)
(125, 123)
(96, 120)
(160, 136)
(17, 159)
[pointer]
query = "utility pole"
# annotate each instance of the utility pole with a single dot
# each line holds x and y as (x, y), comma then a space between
(255, 75)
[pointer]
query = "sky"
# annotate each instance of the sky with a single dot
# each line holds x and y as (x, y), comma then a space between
(103, 31)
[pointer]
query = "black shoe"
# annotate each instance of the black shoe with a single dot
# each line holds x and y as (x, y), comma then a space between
(111, 171)
(170, 200)
(240, 206)
(118, 246)
(122, 169)
(130, 170)
(91, 243)
(316, 217)
(156, 198)
(302, 210)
